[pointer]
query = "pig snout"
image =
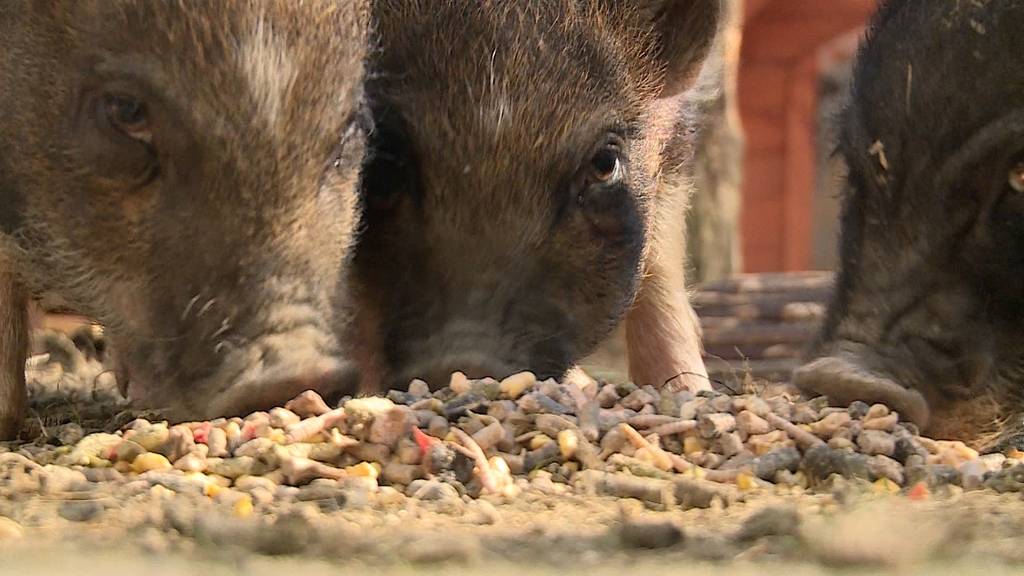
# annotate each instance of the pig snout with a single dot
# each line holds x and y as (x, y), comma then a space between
(479, 352)
(943, 386)
(277, 351)
(848, 377)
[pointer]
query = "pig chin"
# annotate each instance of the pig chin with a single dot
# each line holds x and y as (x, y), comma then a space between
(479, 356)
(248, 379)
(947, 393)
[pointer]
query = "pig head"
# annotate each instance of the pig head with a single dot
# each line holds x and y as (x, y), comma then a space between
(526, 187)
(184, 173)
(929, 310)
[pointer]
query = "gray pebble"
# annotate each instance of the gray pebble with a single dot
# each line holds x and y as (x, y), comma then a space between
(875, 442)
(649, 534)
(771, 521)
(767, 466)
(80, 510)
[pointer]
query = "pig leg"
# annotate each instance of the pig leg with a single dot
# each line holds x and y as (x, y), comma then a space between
(13, 351)
(662, 332)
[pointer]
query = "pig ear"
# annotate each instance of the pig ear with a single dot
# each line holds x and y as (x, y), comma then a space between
(686, 31)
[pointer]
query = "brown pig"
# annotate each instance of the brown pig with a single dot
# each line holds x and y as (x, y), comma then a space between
(184, 173)
(527, 186)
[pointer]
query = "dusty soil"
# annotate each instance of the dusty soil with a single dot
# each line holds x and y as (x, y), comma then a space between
(54, 527)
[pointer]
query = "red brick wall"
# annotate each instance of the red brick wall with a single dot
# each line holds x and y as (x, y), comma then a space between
(786, 43)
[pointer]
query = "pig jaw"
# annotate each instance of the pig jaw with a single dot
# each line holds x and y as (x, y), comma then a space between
(938, 375)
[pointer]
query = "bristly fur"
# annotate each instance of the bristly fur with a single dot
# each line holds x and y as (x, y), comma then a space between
(931, 242)
(481, 258)
(249, 210)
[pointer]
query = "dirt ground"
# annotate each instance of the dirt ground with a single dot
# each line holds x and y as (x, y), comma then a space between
(849, 530)
(851, 527)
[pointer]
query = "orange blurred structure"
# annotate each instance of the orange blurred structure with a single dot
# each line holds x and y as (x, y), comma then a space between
(787, 46)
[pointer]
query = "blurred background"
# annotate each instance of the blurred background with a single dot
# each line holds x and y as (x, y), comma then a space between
(767, 181)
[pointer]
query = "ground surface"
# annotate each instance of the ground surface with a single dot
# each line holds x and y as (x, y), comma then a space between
(89, 520)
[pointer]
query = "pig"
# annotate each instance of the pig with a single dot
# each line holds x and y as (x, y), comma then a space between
(928, 312)
(526, 188)
(185, 174)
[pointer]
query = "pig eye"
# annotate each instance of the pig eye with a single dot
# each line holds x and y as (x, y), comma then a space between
(127, 115)
(1017, 177)
(606, 166)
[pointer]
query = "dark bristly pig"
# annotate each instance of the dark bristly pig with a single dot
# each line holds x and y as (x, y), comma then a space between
(527, 186)
(183, 173)
(929, 311)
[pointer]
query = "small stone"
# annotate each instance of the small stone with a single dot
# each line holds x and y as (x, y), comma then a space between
(191, 462)
(885, 467)
(419, 389)
(403, 474)
(803, 414)
(57, 479)
(699, 493)
(767, 466)
(256, 447)
(517, 384)
(250, 483)
(693, 445)
(432, 490)
(308, 405)
(877, 411)
(840, 443)
(180, 441)
(438, 427)
(907, 446)
(70, 434)
(568, 443)
(932, 475)
(102, 475)
(537, 403)
(80, 510)
(391, 426)
(858, 409)
(217, 440)
(649, 534)
(128, 451)
(608, 396)
(283, 418)
(152, 437)
(771, 521)
(370, 452)
(972, 475)
(827, 426)
(885, 423)
(459, 383)
(91, 448)
(714, 425)
(483, 513)
(363, 470)
(463, 405)
(638, 399)
(728, 445)
(758, 406)
(765, 443)
(750, 424)
(149, 462)
(235, 467)
(820, 462)
(875, 442)
(689, 410)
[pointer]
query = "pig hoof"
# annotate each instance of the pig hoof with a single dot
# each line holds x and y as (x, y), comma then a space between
(843, 382)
